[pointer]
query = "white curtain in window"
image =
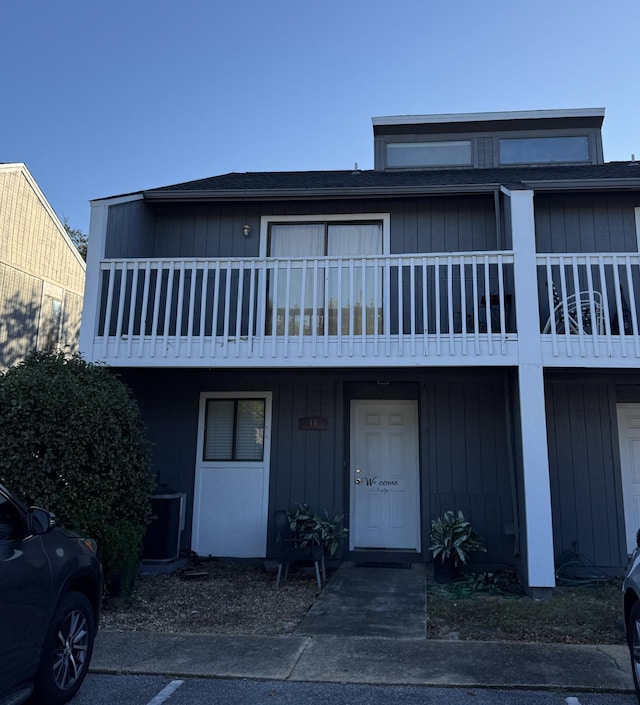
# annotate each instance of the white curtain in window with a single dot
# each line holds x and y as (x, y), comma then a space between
(299, 240)
(346, 240)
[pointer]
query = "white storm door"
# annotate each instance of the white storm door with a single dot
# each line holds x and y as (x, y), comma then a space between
(231, 494)
(629, 435)
(384, 475)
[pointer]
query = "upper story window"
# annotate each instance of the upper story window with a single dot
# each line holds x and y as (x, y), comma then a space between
(326, 280)
(427, 154)
(544, 150)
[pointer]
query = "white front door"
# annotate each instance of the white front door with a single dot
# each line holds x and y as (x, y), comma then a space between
(629, 434)
(385, 491)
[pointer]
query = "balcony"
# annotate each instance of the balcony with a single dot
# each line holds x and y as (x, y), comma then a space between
(397, 310)
(589, 309)
(391, 310)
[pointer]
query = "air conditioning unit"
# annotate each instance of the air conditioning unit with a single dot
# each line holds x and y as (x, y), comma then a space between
(161, 543)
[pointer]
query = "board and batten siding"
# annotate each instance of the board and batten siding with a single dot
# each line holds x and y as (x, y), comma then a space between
(172, 230)
(464, 463)
(586, 222)
(586, 494)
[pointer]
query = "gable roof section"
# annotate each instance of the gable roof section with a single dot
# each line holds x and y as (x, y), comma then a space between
(370, 183)
(21, 168)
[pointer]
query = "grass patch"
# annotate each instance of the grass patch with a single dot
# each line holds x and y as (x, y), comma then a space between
(467, 609)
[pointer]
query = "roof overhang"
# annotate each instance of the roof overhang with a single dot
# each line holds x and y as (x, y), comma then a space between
(453, 123)
(320, 193)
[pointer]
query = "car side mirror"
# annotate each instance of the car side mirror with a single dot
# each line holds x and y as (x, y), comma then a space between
(638, 538)
(40, 521)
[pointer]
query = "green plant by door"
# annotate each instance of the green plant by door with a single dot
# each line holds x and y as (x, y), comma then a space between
(453, 539)
(311, 529)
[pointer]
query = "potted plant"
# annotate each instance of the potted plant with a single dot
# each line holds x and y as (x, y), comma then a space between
(453, 540)
(311, 529)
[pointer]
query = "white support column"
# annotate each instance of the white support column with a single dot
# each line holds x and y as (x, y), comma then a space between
(535, 457)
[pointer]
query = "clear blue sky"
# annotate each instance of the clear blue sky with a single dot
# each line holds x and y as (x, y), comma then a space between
(103, 97)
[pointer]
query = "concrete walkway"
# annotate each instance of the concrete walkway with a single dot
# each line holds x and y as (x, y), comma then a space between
(368, 626)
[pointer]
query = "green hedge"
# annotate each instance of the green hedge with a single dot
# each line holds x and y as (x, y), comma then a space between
(72, 440)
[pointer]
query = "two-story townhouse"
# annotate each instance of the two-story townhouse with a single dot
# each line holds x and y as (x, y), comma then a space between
(41, 272)
(455, 329)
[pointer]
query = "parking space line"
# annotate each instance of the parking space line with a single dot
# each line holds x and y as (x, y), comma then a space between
(166, 693)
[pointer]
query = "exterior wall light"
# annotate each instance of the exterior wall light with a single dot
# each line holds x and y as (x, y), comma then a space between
(246, 230)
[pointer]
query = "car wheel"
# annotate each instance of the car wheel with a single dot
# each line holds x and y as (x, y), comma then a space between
(67, 651)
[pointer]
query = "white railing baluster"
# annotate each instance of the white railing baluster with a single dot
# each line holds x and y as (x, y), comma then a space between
(632, 304)
(107, 318)
(262, 317)
(476, 305)
(552, 308)
(239, 306)
(123, 289)
(132, 307)
(386, 321)
(412, 284)
(143, 312)
(502, 304)
(303, 291)
(214, 312)
(287, 307)
(463, 304)
(274, 306)
(595, 332)
(203, 306)
(452, 347)
(227, 310)
(107, 335)
(156, 308)
(605, 300)
(400, 309)
(576, 291)
(352, 307)
(438, 310)
(376, 312)
(487, 302)
(192, 297)
(425, 309)
(363, 299)
(178, 335)
(252, 307)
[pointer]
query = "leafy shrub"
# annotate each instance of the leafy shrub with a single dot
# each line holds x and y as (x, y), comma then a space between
(312, 529)
(453, 538)
(72, 440)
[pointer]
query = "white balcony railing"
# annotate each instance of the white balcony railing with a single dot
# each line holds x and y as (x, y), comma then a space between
(334, 311)
(589, 306)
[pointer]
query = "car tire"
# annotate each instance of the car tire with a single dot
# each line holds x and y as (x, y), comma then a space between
(66, 652)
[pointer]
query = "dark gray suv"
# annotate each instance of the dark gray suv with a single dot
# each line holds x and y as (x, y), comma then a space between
(50, 594)
(631, 592)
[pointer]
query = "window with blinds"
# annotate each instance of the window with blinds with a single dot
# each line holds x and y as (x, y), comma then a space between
(234, 430)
